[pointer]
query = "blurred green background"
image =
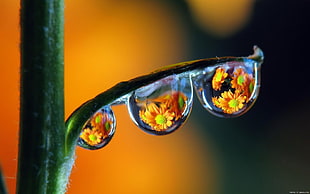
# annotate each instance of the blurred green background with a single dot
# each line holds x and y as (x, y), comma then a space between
(108, 41)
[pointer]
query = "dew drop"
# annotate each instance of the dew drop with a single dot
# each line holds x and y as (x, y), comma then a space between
(228, 89)
(162, 107)
(98, 130)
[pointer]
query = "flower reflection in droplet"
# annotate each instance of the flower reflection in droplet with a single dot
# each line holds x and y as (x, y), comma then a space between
(98, 130)
(162, 107)
(229, 89)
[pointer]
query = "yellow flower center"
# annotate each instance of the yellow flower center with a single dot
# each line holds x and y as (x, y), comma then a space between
(160, 119)
(233, 103)
(181, 102)
(251, 87)
(240, 79)
(107, 126)
(92, 137)
(98, 119)
(218, 77)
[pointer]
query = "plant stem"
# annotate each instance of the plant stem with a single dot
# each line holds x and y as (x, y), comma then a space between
(79, 117)
(43, 164)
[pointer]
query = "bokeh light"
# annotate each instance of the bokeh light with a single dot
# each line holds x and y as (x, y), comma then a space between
(221, 18)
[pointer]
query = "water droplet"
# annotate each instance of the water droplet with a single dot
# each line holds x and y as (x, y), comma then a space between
(228, 89)
(98, 130)
(162, 107)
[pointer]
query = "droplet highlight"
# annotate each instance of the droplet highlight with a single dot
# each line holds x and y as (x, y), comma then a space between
(228, 89)
(162, 107)
(98, 130)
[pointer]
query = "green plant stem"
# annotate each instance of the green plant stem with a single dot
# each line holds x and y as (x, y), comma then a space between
(79, 117)
(43, 164)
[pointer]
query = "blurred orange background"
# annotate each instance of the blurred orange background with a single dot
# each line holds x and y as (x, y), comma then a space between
(108, 41)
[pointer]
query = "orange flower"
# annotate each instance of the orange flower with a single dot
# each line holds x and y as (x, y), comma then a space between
(158, 117)
(91, 137)
(243, 82)
(216, 102)
(160, 113)
(98, 127)
(163, 99)
(218, 78)
(230, 102)
(177, 104)
(100, 122)
(249, 89)
(239, 79)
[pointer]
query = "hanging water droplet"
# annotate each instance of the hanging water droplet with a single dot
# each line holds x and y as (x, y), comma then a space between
(98, 130)
(163, 106)
(228, 89)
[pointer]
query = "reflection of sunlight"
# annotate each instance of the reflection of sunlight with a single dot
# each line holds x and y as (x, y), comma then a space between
(221, 17)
